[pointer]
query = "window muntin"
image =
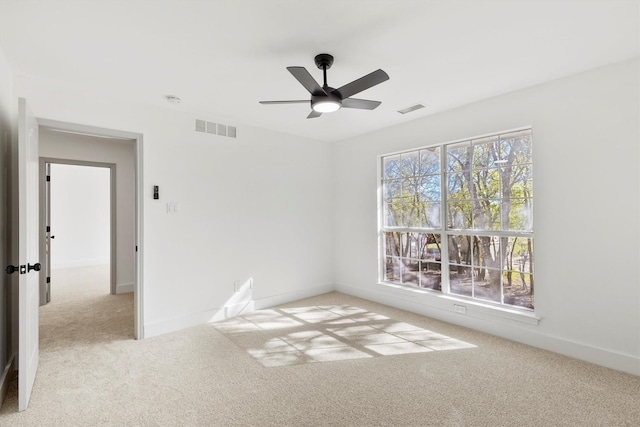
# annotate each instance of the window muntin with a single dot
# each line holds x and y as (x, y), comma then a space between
(471, 200)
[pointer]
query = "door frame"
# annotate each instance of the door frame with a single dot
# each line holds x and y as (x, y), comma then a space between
(113, 197)
(138, 286)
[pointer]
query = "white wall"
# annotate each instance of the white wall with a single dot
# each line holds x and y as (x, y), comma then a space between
(586, 211)
(68, 146)
(80, 215)
(258, 206)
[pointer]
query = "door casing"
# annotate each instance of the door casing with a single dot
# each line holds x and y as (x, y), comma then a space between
(138, 286)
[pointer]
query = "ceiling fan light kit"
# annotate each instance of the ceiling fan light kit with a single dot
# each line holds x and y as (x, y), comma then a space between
(325, 99)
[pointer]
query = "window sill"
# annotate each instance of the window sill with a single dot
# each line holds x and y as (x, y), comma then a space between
(471, 308)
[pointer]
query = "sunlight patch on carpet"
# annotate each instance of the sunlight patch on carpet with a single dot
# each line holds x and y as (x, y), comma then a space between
(327, 333)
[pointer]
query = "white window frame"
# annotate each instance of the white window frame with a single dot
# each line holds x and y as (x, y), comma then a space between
(503, 310)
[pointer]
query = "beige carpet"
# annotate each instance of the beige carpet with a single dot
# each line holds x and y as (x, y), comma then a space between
(332, 360)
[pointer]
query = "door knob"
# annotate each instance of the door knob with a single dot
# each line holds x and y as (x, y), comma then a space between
(35, 267)
(11, 269)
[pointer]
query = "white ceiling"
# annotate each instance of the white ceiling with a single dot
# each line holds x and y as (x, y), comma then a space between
(222, 57)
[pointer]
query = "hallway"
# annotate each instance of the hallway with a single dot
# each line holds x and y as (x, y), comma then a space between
(77, 326)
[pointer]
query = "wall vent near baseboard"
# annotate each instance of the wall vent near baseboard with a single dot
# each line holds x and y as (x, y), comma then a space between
(216, 128)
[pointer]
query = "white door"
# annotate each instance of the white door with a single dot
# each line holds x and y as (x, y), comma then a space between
(28, 252)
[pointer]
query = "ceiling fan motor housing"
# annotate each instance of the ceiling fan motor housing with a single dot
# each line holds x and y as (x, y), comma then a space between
(324, 60)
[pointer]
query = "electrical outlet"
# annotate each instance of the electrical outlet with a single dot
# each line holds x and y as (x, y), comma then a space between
(236, 285)
(460, 309)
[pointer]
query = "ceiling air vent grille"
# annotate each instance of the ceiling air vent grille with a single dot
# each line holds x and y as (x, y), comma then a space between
(410, 109)
(215, 128)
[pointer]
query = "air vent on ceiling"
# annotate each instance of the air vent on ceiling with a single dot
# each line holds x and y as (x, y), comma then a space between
(215, 128)
(410, 109)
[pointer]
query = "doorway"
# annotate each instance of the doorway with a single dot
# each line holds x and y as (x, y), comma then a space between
(94, 147)
(78, 202)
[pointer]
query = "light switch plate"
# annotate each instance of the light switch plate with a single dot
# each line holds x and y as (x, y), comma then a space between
(173, 207)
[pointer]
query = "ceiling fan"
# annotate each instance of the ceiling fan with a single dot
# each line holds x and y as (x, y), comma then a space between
(326, 99)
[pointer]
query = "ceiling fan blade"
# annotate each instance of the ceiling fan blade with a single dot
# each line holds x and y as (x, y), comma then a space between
(362, 104)
(363, 83)
(302, 101)
(313, 114)
(302, 75)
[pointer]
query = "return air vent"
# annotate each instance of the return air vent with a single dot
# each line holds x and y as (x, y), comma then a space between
(410, 109)
(215, 128)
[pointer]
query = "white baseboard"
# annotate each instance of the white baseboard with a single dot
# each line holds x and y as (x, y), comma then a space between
(6, 378)
(124, 288)
(504, 328)
(274, 300)
(241, 303)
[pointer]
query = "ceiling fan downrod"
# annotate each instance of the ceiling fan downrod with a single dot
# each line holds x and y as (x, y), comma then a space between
(324, 62)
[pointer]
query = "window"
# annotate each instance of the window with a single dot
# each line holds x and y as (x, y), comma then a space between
(457, 219)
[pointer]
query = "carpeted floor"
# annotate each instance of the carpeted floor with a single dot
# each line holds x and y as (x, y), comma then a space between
(331, 360)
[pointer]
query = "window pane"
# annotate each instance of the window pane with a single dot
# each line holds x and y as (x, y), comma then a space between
(391, 167)
(459, 214)
(487, 215)
(485, 152)
(459, 157)
(517, 289)
(391, 190)
(430, 275)
(518, 254)
(430, 161)
(429, 188)
(392, 269)
(487, 284)
(458, 186)
(519, 214)
(430, 247)
(518, 180)
(410, 215)
(411, 245)
(392, 244)
(515, 147)
(410, 164)
(410, 268)
(487, 183)
(486, 251)
(460, 250)
(411, 188)
(460, 280)
(430, 215)
(392, 214)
